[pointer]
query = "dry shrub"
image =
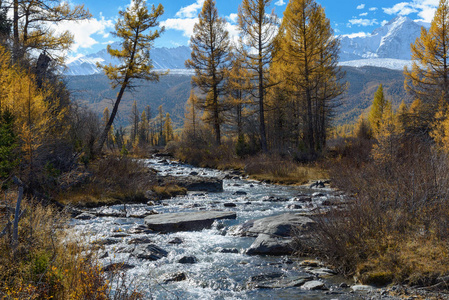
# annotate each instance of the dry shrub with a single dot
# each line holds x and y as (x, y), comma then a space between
(277, 169)
(400, 206)
(46, 264)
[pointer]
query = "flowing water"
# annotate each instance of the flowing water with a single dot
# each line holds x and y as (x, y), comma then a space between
(215, 275)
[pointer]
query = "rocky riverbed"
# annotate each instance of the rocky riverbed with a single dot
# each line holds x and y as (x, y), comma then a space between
(231, 239)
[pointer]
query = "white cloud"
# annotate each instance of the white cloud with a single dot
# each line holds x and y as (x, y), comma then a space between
(424, 8)
(185, 25)
(357, 34)
(363, 22)
(372, 9)
(84, 29)
(232, 18)
(190, 11)
(384, 22)
(402, 8)
(280, 3)
(361, 6)
(363, 14)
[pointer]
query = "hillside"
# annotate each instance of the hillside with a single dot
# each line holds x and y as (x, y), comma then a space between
(364, 82)
(95, 92)
(173, 91)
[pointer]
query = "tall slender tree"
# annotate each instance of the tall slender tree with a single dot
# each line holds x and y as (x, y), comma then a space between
(428, 78)
(258, 30)
(309, 58)
(133, 28)
(209, 58)
(134, 120)
(379, 107)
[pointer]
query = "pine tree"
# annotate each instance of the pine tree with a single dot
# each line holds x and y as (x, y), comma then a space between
(209, 59)
(191, 116)
(168, 129)
(308, 55)
(144, 129)
(428, 79)
(132, 28)
(379, 107)
(105, 120)
(134, 120)
(258, 30)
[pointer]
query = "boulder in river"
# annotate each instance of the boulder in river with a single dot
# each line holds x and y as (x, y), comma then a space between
(186, 221)
(196, 183)
(175, 277)
(313, 285)
(117, 267)
(150, 252)
(267, 244)
(188, 260)
(279, 226)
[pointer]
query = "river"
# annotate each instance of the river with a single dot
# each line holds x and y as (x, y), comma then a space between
(214, 275)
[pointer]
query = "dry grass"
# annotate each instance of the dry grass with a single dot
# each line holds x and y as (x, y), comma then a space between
(47, 265)
(274, 169)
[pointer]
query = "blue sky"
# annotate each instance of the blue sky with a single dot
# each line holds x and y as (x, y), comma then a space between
(348, 17)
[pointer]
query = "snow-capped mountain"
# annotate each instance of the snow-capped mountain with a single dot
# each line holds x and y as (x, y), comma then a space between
(387, 46)
(162, 58)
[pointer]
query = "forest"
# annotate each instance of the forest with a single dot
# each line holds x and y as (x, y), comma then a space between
(264, 106)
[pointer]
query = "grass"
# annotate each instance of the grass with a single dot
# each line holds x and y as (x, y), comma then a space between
(46, 264)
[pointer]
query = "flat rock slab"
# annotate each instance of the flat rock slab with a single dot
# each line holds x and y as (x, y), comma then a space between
(186, 221)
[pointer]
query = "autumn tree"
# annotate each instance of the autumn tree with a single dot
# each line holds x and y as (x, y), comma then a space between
(133, 28)
(309, 57)
(428, 78)
(209, 60)
(168, 129)
(378, 108)
(191, 115)
(104, 121)
(33, 26)
(134, 120)
(257, 31)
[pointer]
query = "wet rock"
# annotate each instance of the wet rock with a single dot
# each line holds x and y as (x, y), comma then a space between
(264, 277)
(268, 245)
(193, 173)
(104, 255)
(313, 285)
(118, 267)
(106, 242)
(176, 241)
(317, 184)
(198, 195)
(343, 285)
(175, 277)
(318, 194)
(85, 216)
(323, 272)
(294, 206)
(303, 199)
(140, 240)
(280, 225)
(188, 260)
(196, 183)
(140, 229)
(150, 252)
(274, 199)
(186, 221)
(362, 288)
(240, 193)
(226, 250)
(119, 235)
(229, 205)
(282, 283)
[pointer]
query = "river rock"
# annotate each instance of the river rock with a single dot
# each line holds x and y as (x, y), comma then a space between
(140, 240)
(282, 283)
(313, 285)
(229, 204)
(269, 245)
(196, 183)
(188, 260)
(186, 221)
(176, 241)
(85, 216)
(279, 226)
(117, 267)
(150, 252)
(362, 288)
(294, 206)
(175, 277)
(274, 199)
(240, 193)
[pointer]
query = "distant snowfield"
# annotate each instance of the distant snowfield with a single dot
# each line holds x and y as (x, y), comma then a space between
(388, 63)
